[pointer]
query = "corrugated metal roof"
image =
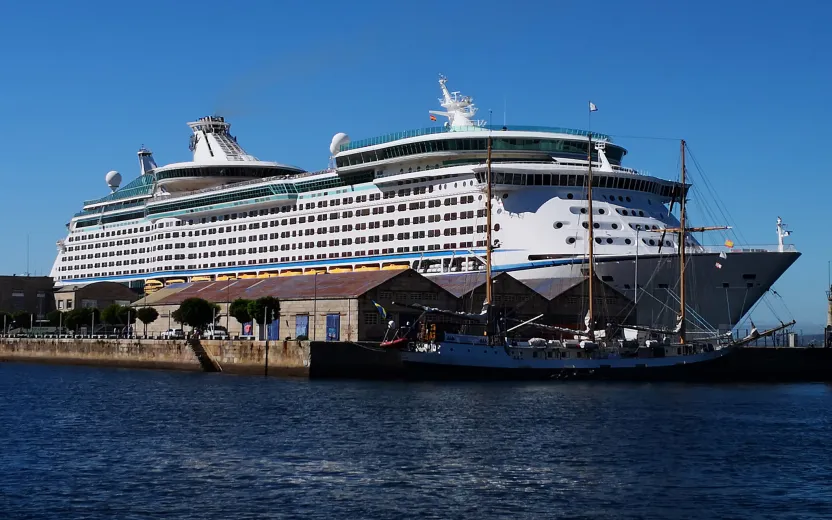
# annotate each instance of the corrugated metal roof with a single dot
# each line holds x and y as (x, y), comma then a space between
(551, 288)
(301, 287)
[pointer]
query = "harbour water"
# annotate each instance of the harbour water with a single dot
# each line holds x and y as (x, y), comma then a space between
(79, 442)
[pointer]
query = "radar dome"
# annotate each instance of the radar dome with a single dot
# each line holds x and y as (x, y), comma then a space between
(113, 179)
(338, 141)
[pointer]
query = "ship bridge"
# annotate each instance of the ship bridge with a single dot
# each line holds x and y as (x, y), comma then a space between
(217, 160)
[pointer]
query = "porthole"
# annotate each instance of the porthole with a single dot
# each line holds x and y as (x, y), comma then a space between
(569, 196)
(597, 240)
(652, 242)
(615, 226)
(505, 195)
(609, 241)
(558, 225)
(479, 197)
(583, 210)
(628, 241)
(655, 227)
(620, 198)
(625, 212)
(628, 199)
(596, 225)
(585, 225)
(640, 213)
(667, 243)
(496, 227)
(649, 201)
(455, 185)
(601, 211)
(570, 240)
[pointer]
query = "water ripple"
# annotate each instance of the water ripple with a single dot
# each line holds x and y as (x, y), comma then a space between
(101, 443)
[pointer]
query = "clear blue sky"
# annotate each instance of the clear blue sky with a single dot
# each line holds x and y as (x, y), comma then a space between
(746, 83)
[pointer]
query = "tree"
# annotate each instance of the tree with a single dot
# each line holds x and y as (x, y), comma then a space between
(147, 315)
(239, 309)
(80, 317)
(195, 312)
(112, 315)
(117, 314)
(267, 307)
(5, 319)
(22, 320)
(56, 318)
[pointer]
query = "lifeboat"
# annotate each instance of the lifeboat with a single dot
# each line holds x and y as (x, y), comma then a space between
(363, 268)
(340, 270)
(201, 279)
(315, 271)
(290, 272)
(168, 283)
(151, 286)
(393, 267)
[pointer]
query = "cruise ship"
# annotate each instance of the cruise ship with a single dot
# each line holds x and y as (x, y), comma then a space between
(412, 199)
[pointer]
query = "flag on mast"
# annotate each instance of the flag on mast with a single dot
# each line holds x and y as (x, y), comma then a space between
(432, 117)
(592, 107)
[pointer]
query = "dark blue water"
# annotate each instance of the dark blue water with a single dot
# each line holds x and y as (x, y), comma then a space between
(102, 443)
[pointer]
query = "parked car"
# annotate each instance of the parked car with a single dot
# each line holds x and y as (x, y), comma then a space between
(216, 332)
(174, 334)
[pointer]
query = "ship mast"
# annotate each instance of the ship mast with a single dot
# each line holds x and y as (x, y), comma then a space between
(591, 314)
(682, 248)
(488, 240)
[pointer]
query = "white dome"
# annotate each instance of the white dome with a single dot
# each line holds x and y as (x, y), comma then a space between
(113, 179)
(338, 140)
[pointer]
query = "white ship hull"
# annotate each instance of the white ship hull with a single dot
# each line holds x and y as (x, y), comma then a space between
(718, 297)
(468, 357)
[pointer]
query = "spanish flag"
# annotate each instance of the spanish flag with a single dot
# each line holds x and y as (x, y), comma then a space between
(432, 117)
(729, 243)
(381, 310)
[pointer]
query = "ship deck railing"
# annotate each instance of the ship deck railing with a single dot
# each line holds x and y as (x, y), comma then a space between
(787, 248)
(432, 130)
(168, 196)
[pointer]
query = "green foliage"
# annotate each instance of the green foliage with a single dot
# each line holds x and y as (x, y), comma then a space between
(56, 318)
(116, 314)
(196, 312)
(111, 315)
(22, 320)
(79, 317)
(239, 309)
(267, 307)
(147, 315)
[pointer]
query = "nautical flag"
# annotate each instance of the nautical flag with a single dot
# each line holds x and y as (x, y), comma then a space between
(381, 310)
(723, 255)
(718, 265)
(729, 243)
(592, 107)
(432, 117)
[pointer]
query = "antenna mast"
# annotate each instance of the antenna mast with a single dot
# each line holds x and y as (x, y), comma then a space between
(591, 238)
(682, 231)
(488, 245)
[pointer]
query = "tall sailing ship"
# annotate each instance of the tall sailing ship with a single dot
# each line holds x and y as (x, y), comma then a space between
(412, 199)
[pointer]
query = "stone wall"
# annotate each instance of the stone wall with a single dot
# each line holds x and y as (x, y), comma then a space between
(242, 357)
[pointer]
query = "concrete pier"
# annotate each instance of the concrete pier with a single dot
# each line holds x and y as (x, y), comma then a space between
(287, 358)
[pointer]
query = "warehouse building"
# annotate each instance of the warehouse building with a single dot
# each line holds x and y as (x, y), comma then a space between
(335, 306)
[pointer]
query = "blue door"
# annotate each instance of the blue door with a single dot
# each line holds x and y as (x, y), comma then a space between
(302, 326)
(274, 329)
(333, 327)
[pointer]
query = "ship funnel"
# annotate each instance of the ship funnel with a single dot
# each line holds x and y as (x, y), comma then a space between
(146, 162)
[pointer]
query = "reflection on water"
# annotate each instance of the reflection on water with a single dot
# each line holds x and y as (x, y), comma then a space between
(102, 443)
